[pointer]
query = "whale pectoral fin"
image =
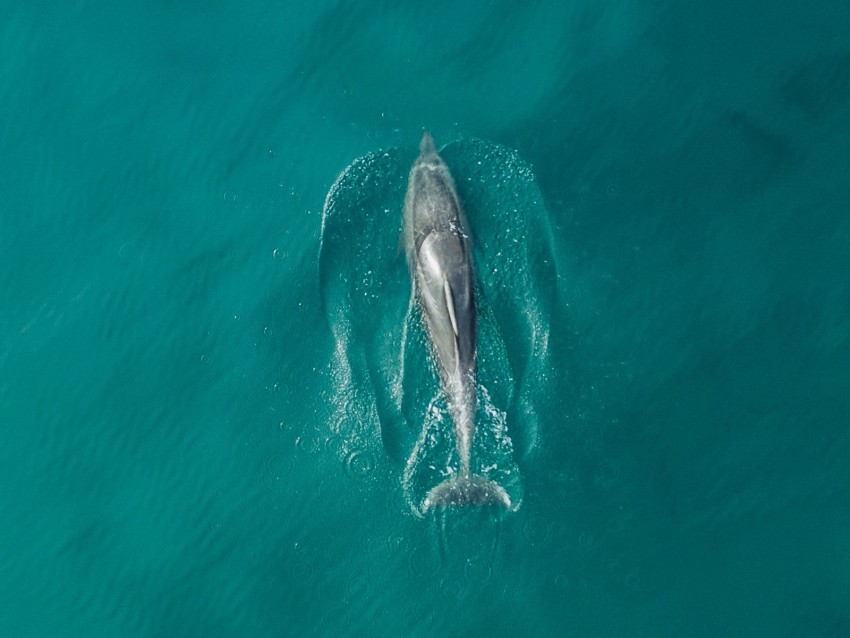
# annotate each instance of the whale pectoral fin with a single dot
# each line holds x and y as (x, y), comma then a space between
(450, 305)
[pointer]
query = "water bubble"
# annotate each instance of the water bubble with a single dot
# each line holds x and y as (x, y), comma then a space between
(276, 467)
(360, 464)
(341, 421)
(333, 443)
(309, 444)
(478, 570)
(453, 589)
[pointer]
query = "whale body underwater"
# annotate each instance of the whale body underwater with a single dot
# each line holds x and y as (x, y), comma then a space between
(437, 244)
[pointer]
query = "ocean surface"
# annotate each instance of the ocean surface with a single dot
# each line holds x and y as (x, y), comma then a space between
(218, 411)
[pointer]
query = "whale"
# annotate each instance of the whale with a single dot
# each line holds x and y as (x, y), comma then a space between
(438, 249)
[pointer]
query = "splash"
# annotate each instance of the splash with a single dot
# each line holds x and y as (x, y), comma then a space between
(384, 385)
(434, 458)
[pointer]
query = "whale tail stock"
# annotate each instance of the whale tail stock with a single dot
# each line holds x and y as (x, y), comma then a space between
(470, 489)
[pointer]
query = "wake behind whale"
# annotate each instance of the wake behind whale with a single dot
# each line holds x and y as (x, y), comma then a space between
(487, 330)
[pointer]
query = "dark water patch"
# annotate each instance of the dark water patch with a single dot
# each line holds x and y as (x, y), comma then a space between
(821, 85)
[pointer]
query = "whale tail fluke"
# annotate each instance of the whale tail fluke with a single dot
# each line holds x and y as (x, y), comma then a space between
(466, 490)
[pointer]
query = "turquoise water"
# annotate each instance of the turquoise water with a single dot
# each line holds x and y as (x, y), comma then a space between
(217, 410)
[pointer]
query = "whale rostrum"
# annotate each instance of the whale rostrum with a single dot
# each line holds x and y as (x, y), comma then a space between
(437, 243)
